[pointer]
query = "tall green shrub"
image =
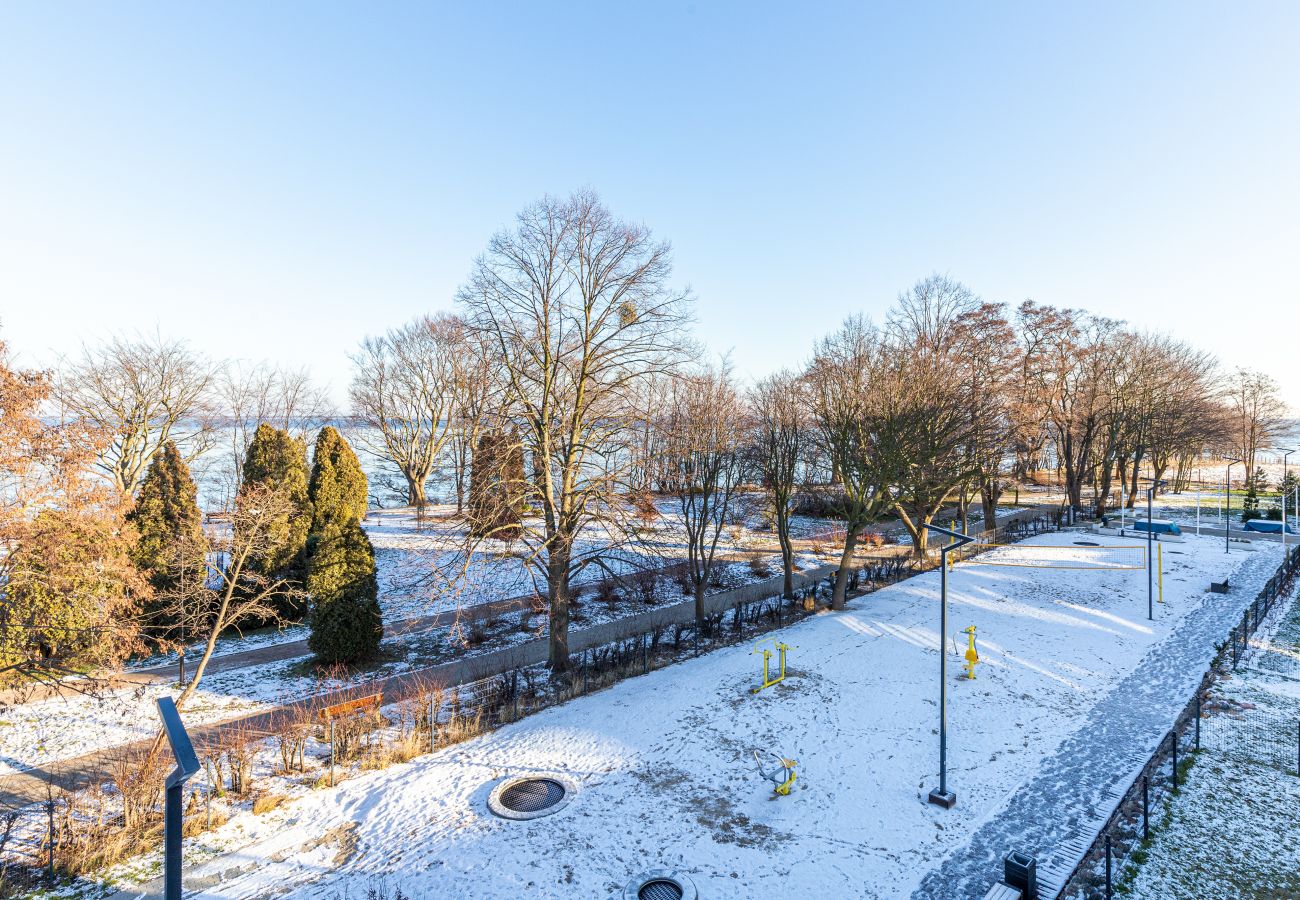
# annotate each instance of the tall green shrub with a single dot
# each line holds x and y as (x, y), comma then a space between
(278, 461)
(496, 485)
(346, 622)
(337, 489)
(169, 544)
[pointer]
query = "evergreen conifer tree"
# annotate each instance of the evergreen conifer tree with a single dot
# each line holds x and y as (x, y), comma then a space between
(346, 622)
(169, 543)
(338, 490)
(496, 484)
(277, 460)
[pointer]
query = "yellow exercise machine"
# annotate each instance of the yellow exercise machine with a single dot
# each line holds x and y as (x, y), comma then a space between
(767, 657)
(781, 774)
(972, 655)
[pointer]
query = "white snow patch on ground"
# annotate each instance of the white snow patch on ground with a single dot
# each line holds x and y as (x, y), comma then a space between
(663, 761)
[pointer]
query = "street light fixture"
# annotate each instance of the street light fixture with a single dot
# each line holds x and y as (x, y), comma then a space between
(1285, 454)
(1227, 503)
(941, 796)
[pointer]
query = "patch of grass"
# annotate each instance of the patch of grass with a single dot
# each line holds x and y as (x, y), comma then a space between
(267, 802)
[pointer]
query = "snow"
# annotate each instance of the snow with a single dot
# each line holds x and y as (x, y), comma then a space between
(38, 733)
(1230, 830)
(663, 764)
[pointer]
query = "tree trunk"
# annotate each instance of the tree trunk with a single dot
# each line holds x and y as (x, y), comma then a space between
(787, 555)
(989, 500)
(1134, 474)
(699, 602)
(415, 495)
(846, 563)
(557, 588)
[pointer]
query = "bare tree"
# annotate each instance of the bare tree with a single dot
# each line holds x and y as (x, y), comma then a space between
(844, 380)
(235, 592)
(1257, 412)
(250, 395)
(577, 309)
(704, 465)
(405, 388)
(476, 402)
(143, 392)
(780, 437)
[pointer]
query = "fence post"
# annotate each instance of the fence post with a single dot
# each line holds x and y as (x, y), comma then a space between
(433, 722)
(331, 751)
(645, 653)
(584, 672)
(1146, 809)
(1197, 744)
(49, 808)
(1108, 888)
(1173, 735)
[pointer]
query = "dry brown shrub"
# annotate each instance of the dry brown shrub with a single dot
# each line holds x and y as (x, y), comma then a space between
(264, 803)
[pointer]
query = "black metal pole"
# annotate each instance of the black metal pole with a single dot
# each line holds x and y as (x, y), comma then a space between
(1198, 718)
(172, 828)
(1146, 809)
(1227, 509)
(1151, 559)
(1108, 887)
(1173, 739)
(943, 671)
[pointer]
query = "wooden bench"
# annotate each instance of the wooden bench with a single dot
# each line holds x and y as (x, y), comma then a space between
(352, 707)
(1002, 891)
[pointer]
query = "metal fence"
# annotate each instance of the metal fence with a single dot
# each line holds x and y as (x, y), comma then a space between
(32, 842)
(1254, 737)
(1098, 871)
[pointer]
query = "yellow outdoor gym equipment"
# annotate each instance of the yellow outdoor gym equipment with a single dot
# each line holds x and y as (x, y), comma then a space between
(767, 657)
(972, 655)
(781, 774)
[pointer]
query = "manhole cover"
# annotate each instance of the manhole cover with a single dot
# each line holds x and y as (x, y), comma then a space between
(660, 884)
(531, 796)
(660, 889)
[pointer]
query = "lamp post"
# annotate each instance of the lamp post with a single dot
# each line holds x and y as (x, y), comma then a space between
(1285, 454)
(1151, 534)
(941, 796)
(1227, 504)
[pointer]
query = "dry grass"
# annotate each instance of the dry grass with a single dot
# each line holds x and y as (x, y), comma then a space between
(264, 803)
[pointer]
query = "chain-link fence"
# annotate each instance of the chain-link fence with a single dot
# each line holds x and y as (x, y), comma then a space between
(1254, 737)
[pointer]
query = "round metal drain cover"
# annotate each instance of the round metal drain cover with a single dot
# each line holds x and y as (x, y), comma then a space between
(531, 796)
(660, 889)
(660, 884)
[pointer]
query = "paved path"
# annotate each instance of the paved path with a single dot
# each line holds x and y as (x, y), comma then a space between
(32, 785)
(1056, 814)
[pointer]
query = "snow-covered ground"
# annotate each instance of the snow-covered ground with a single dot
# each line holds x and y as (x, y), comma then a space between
(1230, 831)
(37, 733)
(663, 761)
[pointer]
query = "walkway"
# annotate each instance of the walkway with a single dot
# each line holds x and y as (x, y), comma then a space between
(1055, 814)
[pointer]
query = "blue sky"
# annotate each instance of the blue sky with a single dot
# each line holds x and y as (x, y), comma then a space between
(278, 180)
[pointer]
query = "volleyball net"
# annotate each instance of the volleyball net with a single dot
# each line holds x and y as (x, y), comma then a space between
(1080, 555)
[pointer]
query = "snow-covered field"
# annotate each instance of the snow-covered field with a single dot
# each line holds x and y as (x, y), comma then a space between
(1230, 832)
(663, 761)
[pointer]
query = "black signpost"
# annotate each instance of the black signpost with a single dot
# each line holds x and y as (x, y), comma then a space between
(187, 766)
(942, 796)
